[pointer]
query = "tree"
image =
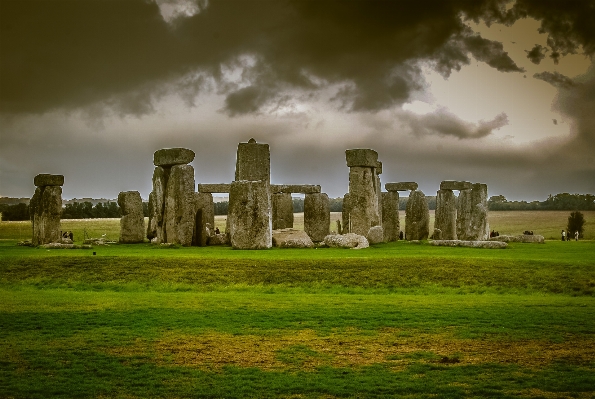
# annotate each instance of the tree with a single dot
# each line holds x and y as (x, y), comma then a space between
(576, 221)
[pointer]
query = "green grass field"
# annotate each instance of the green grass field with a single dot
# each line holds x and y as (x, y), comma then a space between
(394, 320)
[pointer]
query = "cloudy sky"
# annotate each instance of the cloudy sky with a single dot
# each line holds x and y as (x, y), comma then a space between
(487, 91)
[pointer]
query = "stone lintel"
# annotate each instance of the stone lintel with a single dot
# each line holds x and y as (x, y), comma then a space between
(455, 185)
(45, 179)
(295, 188)
(214, 188)
(172, 156)
(362, 157)
(401, 186)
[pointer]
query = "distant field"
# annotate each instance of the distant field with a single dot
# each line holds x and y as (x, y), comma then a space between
(546, 223)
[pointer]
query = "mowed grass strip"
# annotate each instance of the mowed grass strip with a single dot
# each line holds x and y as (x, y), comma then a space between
(566, 268)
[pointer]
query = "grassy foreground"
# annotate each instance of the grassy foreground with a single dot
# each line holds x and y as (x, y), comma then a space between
(394, 320)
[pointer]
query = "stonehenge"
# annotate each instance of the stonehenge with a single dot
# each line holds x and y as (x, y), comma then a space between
(46, 208)
(260, 214)
(132, 222)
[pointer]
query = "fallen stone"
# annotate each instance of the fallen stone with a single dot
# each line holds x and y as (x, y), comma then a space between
(45, 179)
(455, 185)
(349, 240)
(214, 188)
(132, 222)
(375, 235)
(291, 238)
(535, 239)
(57, 245)
(401, 186)
(99, 241)
(173, 156)
(295, 188)
(362, 157)
(218, 239)
(470, 244)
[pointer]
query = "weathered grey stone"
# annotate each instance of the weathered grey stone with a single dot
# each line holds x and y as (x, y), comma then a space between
(132, 222)
(472, 213)
(417, 217)
(471, 244)
(390, 216)
(401, 186)
(172, 156)
(455, 185)
(363, 200)
(282, 210)
(155, 227)
(317, 216)
(535, 239)
(362, 157)
(437, 234)
(179, 215)
(345, 214)
(339, 228)
(204, 216)
(59, 245)
(45, 179)
(379, 169)
(295, 188)
(290, 238)
(214, 188)
(446, 214)
(45, 209)
(249, 215)
(219, 239)
(349, 240)
(253, 162)
(375, 235)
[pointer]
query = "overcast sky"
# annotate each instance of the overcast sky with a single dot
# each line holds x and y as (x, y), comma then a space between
(489, 91)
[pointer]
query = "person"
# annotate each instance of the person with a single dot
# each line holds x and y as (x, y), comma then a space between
(217, 230)
(71, 236)
(567, 235)
(563, 235)
(576, 235)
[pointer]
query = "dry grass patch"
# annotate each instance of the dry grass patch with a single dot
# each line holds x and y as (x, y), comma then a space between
(305, 350)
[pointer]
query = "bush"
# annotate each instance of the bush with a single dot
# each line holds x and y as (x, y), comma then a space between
(576, 222)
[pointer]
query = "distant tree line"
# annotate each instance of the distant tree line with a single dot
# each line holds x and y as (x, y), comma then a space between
(560, 202)
(110, 209)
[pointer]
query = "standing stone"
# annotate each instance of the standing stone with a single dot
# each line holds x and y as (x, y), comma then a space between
(156, 225)
(345, 213)
(390, 216)
(45, 209)
(472, 211)
(282, 208)
(479, 227)
(249, 215)
(363, 190)
(317, 216)
(204, 211)
(179, 206)
(417, 217)
(446, 215)
(253, 162)
(132, 222)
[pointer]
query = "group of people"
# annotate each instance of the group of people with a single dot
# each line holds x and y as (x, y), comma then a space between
(566, 235)
(68, 234)
(494, 234)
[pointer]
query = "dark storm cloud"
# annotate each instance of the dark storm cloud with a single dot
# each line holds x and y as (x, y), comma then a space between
(68, 54)
(537, 54)
(445, 123)
(556, 79)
